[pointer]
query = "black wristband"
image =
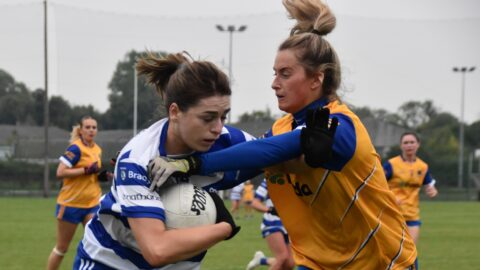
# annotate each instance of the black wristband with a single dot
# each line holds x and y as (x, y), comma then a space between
(194, 164)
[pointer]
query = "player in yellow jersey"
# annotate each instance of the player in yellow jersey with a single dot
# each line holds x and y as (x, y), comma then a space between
(247, 198)
(334, 200)
(406, 174)
(79, 196)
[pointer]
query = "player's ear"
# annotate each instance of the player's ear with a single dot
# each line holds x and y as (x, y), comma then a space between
(173, 112)
(317, 80)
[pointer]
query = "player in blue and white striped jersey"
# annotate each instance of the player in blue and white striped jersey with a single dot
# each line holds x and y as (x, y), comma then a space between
(128, 232)
(274, 233)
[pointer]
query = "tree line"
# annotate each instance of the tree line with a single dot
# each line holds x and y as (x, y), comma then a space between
(438, 130)
(20, 105)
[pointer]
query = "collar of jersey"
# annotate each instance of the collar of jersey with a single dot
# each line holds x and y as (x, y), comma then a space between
(301, 115)
(163, 139)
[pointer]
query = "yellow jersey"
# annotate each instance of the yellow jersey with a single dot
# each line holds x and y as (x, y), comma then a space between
(405, 180)
(343, 217)
(248, 193)
(82, 191)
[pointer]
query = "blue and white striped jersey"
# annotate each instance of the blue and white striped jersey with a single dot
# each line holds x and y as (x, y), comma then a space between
(270, 223)
(108, 240)
(236, 192)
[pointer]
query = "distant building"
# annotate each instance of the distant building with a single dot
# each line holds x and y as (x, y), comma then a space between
(27, 142)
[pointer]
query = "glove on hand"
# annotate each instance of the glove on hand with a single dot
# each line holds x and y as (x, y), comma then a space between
(223, 215)
(316, 138)
(272, 211)
(92, 168)
(161, 168)
(113, 160)
(105, 176)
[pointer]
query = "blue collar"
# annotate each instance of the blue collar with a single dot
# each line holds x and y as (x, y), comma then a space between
(301, 115)
(163, 139)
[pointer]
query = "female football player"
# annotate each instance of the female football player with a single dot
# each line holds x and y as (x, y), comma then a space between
(338, 210)
(79, 196)
(247, 198)
(235, 199)
(406, 174)
(273, 232)
(129, 230)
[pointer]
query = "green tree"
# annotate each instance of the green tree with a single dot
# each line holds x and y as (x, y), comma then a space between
(440, 147)
(472, 135)
(7, 82)
(60, 112)
(120, 113)
(15, 105)
(256, 116)
(38, 106)
(80, 111)
(413, 114)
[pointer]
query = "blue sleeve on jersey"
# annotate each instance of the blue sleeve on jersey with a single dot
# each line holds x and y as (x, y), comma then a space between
(233, 178)
(236, 135)
(255, 154)
(129, 174)
(268, 134)
(428, 178)
(344, 143)
(72, 154)
(135, 176)
(387, 167)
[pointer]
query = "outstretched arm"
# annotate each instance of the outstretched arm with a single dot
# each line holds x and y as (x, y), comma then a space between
(255, 154)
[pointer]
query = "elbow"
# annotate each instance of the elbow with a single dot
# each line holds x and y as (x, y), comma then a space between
(60, 174)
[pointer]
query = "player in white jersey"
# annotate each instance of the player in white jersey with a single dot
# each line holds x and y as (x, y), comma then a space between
(129, 232)
(235, 198)
(274, 233)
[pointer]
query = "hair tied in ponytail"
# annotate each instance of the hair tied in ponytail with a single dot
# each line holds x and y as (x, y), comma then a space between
(315, 31)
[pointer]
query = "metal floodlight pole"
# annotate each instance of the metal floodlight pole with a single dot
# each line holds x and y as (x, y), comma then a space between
(230, 29)
(463, 71)
(135, 100)
(46, 120)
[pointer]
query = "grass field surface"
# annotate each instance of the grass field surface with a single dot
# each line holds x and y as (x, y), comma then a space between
(450, 237)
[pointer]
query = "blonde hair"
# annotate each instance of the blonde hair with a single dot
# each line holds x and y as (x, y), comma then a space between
(314, 19)
(75, 134)
(180, 79)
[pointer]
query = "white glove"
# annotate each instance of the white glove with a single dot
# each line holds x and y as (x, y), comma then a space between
(161, 168)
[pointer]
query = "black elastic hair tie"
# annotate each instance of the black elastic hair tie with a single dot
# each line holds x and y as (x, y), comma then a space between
(315, 31)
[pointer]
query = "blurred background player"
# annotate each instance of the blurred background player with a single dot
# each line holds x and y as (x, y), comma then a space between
(80, 193)
(406, 174)
(273, 232)
(236, 198)
(247, 198)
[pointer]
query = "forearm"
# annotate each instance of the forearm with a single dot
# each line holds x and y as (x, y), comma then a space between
(70, 172)
(160, 246)
(259, 206)
(256, 154)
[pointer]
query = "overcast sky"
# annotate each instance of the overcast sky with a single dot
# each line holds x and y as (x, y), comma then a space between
(392, 51)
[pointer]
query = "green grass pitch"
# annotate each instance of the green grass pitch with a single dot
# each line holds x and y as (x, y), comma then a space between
(450, 237)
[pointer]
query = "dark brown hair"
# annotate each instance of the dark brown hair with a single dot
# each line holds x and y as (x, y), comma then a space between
(410, 133)
(181, 80)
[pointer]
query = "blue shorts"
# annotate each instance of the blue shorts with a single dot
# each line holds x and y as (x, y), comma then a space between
(88, 264)
(413, 223)
(73, 214)
(273, 230)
